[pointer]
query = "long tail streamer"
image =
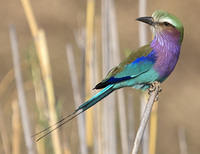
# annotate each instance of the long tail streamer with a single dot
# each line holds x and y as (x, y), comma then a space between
(95, 99)
(57, 125)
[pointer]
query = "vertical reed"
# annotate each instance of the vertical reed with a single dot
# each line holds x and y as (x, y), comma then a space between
(145, 139)
(4, 135)
(120, 94)
(42, 52)
(77, 98)
(4, 84)
(97, 110)
(46, 71)
(90, 16)
(105, 67)
(80, 41)
(39, 96)
(131, 121)
(153, 129)
(21, 93)
(183, 146)
(143, 41)
(109, 122)
(98, 143)
(145, 118)
(16, 128)
(142, 27)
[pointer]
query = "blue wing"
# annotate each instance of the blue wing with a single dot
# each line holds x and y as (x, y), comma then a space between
(132, 70)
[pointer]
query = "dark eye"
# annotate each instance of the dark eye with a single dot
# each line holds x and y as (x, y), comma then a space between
(166, 23)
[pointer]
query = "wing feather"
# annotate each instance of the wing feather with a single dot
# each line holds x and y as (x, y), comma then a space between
(135, 64)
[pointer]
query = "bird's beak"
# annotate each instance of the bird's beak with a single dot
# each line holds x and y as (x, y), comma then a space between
(147, 20)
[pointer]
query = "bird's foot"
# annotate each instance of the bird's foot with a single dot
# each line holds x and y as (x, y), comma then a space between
(153, 86)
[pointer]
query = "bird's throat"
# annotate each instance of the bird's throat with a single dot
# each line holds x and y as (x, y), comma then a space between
(166, 46)
(166, 41)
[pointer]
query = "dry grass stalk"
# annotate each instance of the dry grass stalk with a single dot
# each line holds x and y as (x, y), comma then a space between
(77, 98)
(21, 93)
(42, 52)
(142, 27)
(97, 109)
(16, 128)
(46, 71)
(6, 81)
(183, 146)
(4, 135)
(37, 83)
(142, 41)
(109, 129)
(39, 96)
(153, 95)
(111, 105)
(153, 129)
(30, 17)
(99, 129)
(41, 145)
(4, 84)
(80, 41)
(120, 94)
(145, 140)
(131, 121)
(105, 67)
(122, 118)
(88, 63)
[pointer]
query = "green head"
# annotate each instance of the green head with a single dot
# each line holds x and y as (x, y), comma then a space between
(164, 20)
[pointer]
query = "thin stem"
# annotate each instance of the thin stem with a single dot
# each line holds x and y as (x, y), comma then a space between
(145, 117)
(21, 93)
(114, 46)
(142, 41)
(182, 141)
(90, 16)
(77, 98)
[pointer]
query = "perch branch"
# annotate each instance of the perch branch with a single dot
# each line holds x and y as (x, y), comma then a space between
(153, 95)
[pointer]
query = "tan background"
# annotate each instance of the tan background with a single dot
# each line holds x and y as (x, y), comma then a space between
(179, 105)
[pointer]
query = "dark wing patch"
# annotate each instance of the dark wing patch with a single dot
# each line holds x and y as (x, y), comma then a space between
(110, 77)
(111, 80)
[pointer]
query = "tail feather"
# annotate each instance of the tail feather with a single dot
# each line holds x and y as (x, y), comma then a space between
(95, 99)
(57, 125)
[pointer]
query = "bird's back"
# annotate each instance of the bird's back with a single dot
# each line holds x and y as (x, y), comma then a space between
(136, 63)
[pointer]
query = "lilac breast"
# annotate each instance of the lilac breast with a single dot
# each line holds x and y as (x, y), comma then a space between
(167, 49)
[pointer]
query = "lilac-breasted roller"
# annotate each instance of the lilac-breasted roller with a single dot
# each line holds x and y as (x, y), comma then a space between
(152, 62)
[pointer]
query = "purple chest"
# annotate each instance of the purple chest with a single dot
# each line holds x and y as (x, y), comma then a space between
(167, 50)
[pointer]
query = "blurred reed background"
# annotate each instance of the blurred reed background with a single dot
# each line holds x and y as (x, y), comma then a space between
(57, 51)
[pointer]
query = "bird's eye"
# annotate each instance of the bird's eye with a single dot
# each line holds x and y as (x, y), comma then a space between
(166, 23)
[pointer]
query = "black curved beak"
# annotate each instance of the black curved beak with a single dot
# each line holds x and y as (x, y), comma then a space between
(147, 20)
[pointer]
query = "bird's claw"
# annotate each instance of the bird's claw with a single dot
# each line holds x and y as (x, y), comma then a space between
(153, 86)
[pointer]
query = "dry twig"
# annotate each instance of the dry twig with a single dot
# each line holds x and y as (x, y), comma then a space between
(154, 91)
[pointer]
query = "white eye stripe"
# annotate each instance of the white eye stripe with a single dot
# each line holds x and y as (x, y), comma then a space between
(166, 20)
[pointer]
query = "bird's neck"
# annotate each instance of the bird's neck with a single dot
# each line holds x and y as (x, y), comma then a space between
(167, 41)
(166, 46)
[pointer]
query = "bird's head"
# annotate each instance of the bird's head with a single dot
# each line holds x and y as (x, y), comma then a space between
(164, 21)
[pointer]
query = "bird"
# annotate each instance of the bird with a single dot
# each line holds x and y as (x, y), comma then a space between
(150, 63)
